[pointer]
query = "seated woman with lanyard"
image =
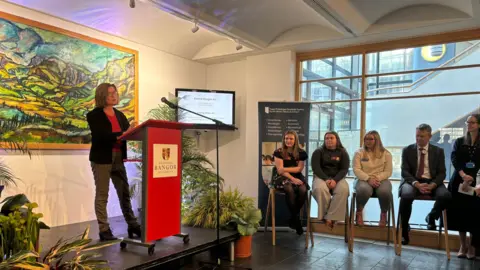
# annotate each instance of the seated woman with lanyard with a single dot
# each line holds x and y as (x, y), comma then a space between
(289, 162)
(465, 205)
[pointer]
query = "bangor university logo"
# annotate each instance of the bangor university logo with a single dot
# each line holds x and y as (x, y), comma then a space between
(166, 153)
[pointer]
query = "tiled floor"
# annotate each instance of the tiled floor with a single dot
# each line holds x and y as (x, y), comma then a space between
(332, 253)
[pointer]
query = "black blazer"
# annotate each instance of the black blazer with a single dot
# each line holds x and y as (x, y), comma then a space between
(103, 138)
(460, 157)
(436, 164)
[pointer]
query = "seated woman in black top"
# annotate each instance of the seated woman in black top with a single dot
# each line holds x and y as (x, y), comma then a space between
(290, 161)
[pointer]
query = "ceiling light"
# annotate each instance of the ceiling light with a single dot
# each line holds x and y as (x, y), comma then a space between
(195, 28)
(132, 3)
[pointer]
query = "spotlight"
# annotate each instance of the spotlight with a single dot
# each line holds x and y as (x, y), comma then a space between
(239, 47)
(195, 28)
(132, 3)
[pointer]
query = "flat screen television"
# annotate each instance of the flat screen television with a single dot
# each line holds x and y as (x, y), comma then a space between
(215, 104)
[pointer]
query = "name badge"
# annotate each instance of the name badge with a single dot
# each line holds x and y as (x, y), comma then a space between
(364, 159)
(470, 165)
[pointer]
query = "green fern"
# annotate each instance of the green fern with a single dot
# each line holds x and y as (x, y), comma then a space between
(204, 209)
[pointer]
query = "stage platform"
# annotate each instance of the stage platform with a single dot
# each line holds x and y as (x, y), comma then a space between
(167, 250)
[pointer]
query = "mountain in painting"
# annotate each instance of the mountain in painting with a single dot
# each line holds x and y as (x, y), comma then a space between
(46, 88)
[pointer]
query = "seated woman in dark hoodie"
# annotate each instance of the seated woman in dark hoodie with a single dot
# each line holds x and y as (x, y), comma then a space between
(330, 165)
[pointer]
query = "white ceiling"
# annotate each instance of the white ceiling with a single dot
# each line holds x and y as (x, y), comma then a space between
(262, 25)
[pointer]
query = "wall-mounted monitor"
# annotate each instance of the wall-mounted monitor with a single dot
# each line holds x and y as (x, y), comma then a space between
(219, 105)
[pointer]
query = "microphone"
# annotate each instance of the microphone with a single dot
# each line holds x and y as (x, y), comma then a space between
(169, 104)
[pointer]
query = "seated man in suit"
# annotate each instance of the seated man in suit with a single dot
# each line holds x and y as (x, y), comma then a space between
(423, 172)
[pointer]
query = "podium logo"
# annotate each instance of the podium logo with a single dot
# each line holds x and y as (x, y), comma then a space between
(165, 160)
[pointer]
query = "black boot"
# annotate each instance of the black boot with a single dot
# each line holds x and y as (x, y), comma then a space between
(136, 230)
(298, 227)
(107, 236)
(430, 219)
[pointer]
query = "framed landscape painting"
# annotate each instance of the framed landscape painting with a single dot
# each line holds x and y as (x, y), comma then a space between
(48, 78)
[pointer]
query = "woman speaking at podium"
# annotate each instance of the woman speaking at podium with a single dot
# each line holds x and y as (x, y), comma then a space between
(107, 124)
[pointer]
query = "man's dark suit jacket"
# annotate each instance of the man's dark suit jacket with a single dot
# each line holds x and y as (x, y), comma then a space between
(436, 163)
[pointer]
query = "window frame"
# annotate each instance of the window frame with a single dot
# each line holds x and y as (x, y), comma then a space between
(377, 48)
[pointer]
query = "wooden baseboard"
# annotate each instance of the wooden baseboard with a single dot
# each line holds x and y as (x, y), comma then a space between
(418, 238)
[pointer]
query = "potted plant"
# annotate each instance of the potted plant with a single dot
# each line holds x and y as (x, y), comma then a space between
(247, 224)
(203, 210)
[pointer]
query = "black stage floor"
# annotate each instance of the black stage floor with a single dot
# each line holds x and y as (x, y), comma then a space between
(167, 250)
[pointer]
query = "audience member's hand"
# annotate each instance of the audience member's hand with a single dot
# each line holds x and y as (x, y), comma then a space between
(297, 181)
(423, 188)
(431, 187)
(331, 184)
(467, 178)
(374, 182)
(477, 190)
(280, 170)
(465, 185)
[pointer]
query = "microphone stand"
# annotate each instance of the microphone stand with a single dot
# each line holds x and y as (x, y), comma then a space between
(218, 123)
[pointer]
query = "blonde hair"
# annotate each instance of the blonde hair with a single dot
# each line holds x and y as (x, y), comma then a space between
(296, 147)
(378, 149)
(101, 94)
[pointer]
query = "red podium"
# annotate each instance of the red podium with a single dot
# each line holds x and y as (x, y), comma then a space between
(161, 180)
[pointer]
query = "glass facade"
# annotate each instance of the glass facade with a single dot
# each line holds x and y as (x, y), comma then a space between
(443, 75)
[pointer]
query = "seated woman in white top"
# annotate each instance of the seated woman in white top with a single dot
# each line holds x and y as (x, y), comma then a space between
(372, 166)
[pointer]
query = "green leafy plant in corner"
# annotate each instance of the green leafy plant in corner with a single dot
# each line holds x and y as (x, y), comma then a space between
(197, 175)
(79, 247)
(19, 226)
(204, 211)
(247, 223)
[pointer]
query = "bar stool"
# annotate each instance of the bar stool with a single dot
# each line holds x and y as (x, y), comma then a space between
(271, 206)
(310, 222)
(443, 220)
(390, 214)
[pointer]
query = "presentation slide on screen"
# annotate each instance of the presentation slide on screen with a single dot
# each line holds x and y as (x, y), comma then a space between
(214, 105)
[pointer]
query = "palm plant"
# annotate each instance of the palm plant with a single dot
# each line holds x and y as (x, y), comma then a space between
(203, 213)
(80, 247)
(197, 174)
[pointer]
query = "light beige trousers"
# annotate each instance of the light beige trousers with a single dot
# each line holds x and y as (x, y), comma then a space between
(331, 206)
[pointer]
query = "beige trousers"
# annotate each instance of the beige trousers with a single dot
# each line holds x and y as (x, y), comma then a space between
(331, 206)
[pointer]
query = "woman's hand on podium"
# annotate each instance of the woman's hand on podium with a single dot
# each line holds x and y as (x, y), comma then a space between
(133, 124)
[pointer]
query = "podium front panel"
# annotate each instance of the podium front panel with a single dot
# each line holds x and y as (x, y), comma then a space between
(161, 183)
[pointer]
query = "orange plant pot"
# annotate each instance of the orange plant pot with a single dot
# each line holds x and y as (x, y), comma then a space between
(243, 247)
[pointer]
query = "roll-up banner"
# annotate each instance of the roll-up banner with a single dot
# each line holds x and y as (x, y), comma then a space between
(275, 118)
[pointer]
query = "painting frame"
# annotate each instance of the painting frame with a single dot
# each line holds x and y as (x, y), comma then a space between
(75, 35)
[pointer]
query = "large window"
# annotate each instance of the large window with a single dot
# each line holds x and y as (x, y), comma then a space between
(398, 90)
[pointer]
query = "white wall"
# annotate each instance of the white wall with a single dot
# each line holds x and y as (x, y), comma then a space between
(268, 77)
(61, 181)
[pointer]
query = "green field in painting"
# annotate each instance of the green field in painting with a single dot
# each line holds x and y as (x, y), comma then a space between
(48, 80)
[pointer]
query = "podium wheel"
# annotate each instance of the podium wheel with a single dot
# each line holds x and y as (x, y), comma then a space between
(123, 245)
(186, 239)
(151, 250)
